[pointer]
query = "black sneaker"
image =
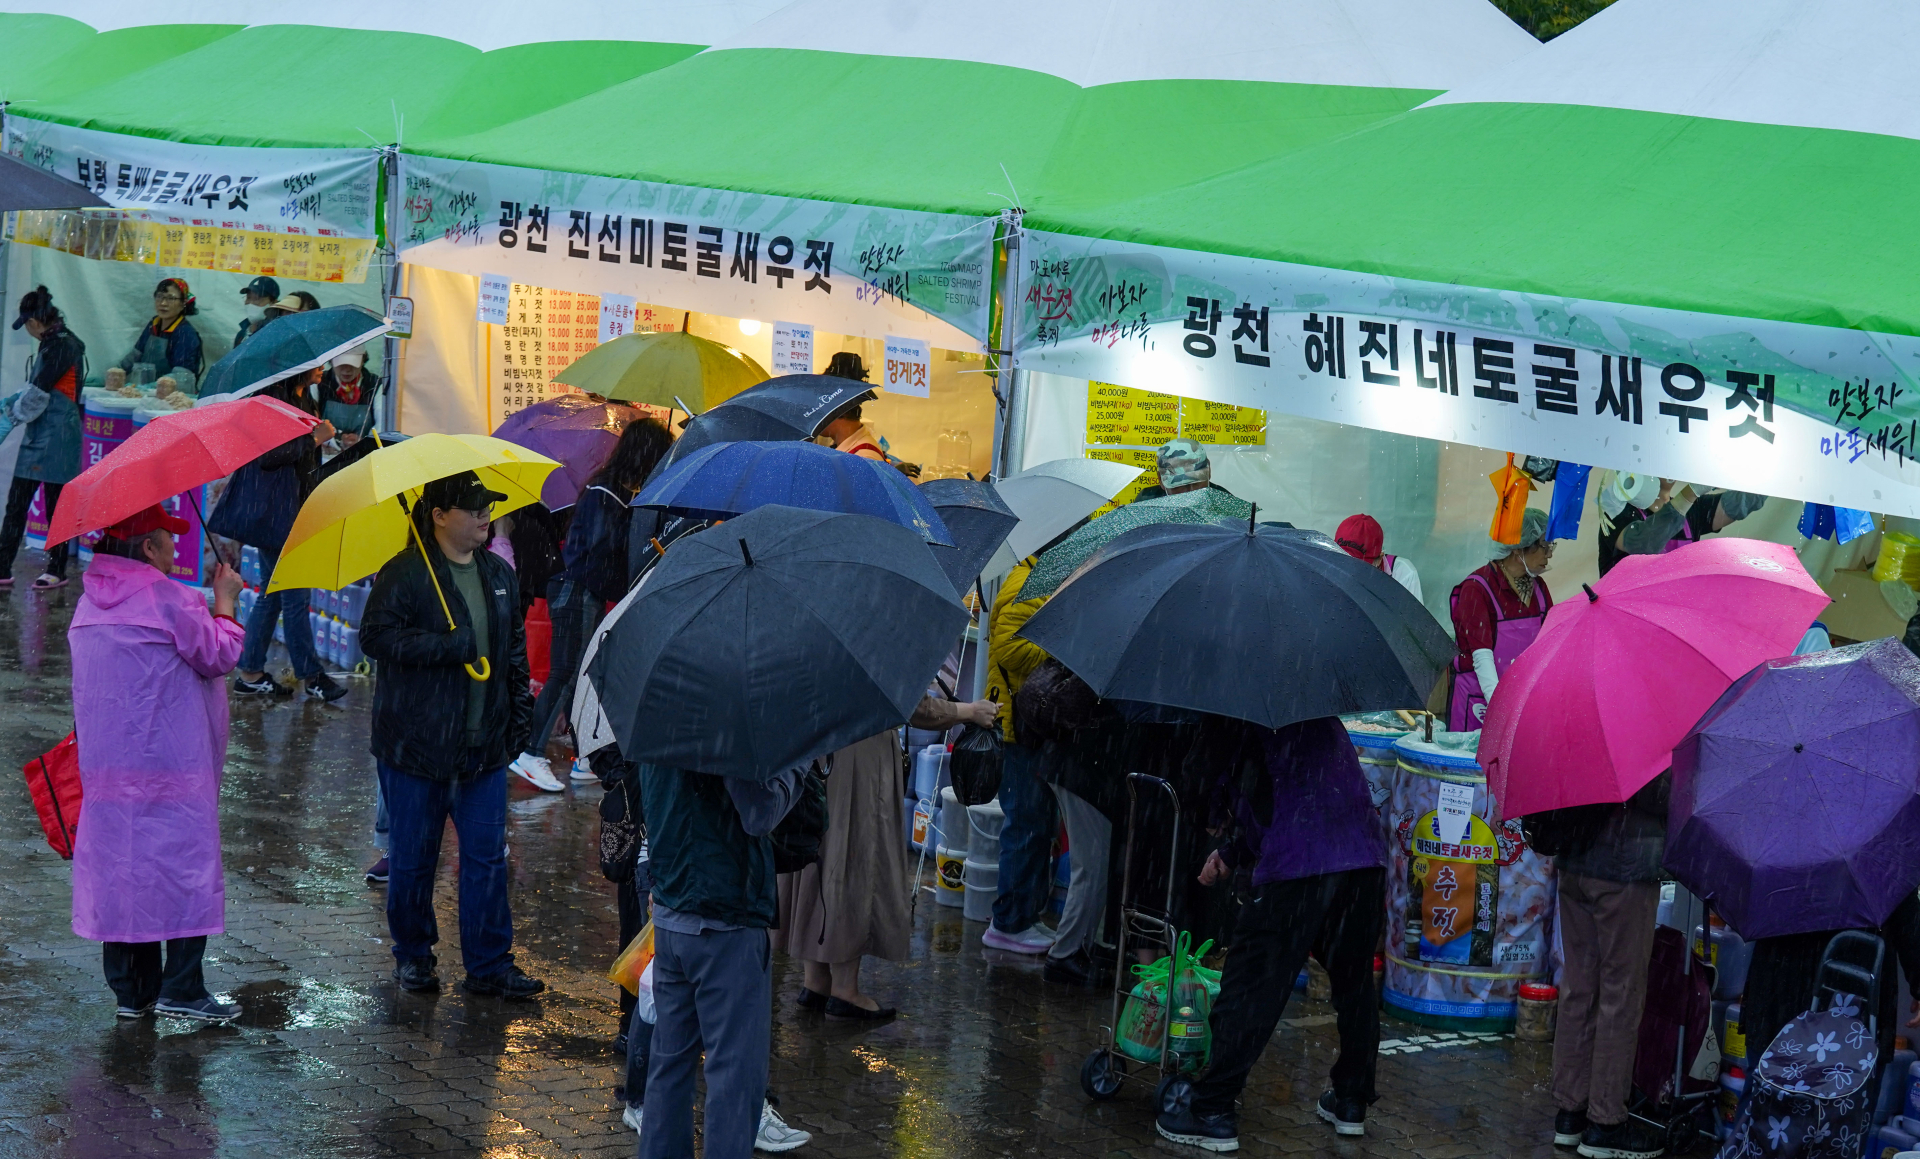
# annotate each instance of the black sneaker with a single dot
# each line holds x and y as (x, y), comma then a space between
(377, 872)
(417, 975)
(1207, 1132)
(1348, 1116)
(325, 687)
(511, 982)
(1077, 969)
(201, 1009)
(1628, 1140)
(131, 1012)
(1568, 1127)
(265, 686)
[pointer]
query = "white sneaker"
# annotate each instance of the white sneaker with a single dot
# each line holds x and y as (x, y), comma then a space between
(631, 1117)
(536, 771)
(582, 771)
(1032, 940)
(775, 1135)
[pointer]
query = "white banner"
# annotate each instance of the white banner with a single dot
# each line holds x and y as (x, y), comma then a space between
(317, 192)
(848, 269)
(1801, 412)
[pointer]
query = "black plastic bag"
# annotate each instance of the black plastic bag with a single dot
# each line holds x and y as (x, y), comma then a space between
(797, 839)
(975, 764)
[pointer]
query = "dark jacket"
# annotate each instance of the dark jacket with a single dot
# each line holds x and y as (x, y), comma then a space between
(264, 496)
(1628, 840)
(50, 449)
(596, 551)
(704, 862)
(420, 694)
(349, 418)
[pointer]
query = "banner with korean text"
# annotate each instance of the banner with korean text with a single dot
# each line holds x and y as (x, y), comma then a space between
(847, 269)
(304, 214)
(1802, 412)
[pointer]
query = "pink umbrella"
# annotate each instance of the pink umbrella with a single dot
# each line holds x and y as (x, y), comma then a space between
(1592, 711)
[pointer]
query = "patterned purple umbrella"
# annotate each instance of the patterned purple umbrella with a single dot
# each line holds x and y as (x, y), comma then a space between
(577, 429)
(1796, 799)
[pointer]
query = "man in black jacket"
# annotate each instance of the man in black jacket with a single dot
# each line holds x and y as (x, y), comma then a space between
(450, 708)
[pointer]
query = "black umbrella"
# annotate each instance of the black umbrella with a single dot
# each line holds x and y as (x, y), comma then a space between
(1268, 624)
(24, 186)
(773, 638)
(978, 521)
(785, 409)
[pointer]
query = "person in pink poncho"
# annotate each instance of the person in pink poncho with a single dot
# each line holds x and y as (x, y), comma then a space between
(150, 717)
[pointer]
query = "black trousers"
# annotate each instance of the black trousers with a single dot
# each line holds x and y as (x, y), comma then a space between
(1338, 918)
(14, 528)
(137, 978)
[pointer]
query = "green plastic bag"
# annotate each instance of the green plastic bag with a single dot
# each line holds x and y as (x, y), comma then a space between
(1144, 1020)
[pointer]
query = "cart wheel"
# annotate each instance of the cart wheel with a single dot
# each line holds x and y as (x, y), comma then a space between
(1100, 1075)
(1173, 1095)
(1683, 1134)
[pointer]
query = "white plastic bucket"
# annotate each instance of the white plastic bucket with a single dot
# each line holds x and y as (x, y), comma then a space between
(983, 885)
(953, 823)
(984, 823)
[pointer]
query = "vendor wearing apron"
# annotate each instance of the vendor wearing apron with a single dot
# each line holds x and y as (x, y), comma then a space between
(1497, 611)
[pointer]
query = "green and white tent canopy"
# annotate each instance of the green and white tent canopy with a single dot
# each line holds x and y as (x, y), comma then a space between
(893, 132)
(1678, 239)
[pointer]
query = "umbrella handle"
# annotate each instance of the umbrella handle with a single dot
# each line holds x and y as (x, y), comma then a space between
(485, 670)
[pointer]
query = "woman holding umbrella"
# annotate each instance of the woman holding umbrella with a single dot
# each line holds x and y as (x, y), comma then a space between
(49, 409)
(595, 575)
(1497, 612)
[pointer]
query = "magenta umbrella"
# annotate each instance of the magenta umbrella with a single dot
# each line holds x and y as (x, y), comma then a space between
(579, 430)
(1593, 710)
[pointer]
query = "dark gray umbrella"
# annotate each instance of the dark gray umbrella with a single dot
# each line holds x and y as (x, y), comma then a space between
(978, 521)
(789, 408)
(288, 345)
(1268, 624)
(24, 186)
(773, 638)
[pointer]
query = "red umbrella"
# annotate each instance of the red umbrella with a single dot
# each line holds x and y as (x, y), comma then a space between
(1593, 709)
(171, 454)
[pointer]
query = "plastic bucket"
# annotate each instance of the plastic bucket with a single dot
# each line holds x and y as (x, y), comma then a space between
(953, 824)
(984, 823)
(949, 885)
(982, 886)
(1378, 762)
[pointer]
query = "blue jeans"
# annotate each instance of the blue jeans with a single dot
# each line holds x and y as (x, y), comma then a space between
(711, 991)
(419, 809)
(290, 606)
(1026, 842)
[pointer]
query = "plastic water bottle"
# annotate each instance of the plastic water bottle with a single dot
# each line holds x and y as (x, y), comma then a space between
(1187, 1039)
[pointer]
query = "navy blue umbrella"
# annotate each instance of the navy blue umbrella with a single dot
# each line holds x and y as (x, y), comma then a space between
(24, 186)
(290, 344)
(775, 638)
(977, 518)
(730, 479)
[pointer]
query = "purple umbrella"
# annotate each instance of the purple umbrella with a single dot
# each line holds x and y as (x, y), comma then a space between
(577, 429)
(1796, 799)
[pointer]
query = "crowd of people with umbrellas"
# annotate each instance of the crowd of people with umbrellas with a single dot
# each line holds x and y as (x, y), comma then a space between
(743, 620)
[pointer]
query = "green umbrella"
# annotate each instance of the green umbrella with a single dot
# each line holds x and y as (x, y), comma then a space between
(673, 370)
(1203, 506)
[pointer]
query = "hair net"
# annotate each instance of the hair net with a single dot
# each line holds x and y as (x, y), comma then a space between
(1533, 529)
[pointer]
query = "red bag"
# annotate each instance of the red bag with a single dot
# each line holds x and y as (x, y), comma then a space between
(54, 781)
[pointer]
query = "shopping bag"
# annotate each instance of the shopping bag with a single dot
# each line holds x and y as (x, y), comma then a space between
(633, 961)
(1511, 486)
(53, 780)
(643, 1004)
(1144, 1018)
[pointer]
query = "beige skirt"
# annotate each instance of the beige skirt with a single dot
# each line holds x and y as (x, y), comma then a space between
(853, 901)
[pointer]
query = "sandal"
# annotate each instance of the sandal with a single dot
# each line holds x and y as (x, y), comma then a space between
(48, 581)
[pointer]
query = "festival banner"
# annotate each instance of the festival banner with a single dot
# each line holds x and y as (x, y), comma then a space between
(846, 269)
(301, 214)
(1802, 412)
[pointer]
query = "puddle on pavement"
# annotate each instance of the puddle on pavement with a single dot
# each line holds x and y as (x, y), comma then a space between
(298, 1005)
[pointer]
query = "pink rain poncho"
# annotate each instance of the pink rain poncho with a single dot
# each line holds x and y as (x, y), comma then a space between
(150, 711)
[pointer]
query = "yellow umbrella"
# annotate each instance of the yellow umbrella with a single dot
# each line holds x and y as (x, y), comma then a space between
(673, 370)
(355, 521)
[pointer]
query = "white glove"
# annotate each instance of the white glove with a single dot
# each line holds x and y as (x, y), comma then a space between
(1484, 669)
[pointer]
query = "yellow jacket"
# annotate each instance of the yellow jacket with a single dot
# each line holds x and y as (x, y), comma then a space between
(1010, 658)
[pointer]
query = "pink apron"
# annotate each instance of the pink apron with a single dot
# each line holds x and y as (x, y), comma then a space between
(1510, 638)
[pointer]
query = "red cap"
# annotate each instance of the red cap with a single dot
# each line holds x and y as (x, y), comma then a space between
(1360, 537)
(152, 519)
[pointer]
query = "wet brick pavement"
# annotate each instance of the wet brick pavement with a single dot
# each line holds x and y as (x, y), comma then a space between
(330, 1060)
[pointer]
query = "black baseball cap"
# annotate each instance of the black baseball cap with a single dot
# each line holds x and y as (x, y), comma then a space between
(464, 491)
(263, 287)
